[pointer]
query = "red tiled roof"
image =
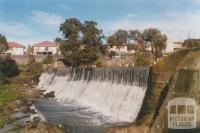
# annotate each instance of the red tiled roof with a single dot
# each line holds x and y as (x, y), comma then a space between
(46, 44)
(15, 45)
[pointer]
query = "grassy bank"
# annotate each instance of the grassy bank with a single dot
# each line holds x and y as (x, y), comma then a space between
(17, 88)
(16, 93)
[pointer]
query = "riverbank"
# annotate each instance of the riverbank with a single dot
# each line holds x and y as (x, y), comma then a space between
(17, 113)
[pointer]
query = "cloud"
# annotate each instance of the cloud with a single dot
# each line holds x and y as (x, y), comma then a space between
(23, 34)
(15, 29)
(131, 15)
(197, 1)
(47, 18)
(176, 26)
(65, 7)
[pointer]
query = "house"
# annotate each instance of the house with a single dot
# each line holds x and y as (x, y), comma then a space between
(172, 46)
(120, 50)
(46, 47)
(15, 48)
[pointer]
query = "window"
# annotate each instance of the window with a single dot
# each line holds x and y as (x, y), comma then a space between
(181, 109)
(190, 109)
(173, 109)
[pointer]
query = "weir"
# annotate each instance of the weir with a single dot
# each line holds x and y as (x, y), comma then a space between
(116, 93)
(121, 75)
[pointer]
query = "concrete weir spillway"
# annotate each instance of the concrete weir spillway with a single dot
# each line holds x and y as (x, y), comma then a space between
(116, 93)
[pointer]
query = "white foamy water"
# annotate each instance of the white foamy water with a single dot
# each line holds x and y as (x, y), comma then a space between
(120, 102)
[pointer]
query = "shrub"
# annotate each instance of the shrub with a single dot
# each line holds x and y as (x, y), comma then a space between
(2, 78)
(142, 60)
(31, 59)
(48, 59)
(33, 69)
(191, 43)
(111, 54)
(9, 68)
(99, 63)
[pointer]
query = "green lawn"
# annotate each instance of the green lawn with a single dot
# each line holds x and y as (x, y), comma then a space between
(8, 95)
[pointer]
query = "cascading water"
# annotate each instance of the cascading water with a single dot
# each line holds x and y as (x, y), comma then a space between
(115, 93)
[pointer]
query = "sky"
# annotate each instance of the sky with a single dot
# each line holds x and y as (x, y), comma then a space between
(31, 21)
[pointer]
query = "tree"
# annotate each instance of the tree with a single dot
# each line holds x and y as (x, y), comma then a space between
(119, 38)
(80, 43)
(3, 44)
(29, 50)
(31, 59)
(138, 37)
(71, 43)
(157, 40)
(191, 43)
(103, 49)
(8, 67)
(48, 59)
(111, 54)
(142, 60)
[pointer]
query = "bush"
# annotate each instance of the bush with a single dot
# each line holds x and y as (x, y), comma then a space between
(99, 63)
(142, 60)
(31, 59)
(191, 43)
(9, 68)
(111, 54)
(32, 69)
(48, 59)
(2, 78)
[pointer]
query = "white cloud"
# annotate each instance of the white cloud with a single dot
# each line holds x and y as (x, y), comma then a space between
(65, 7)
(198, 1)
(22, 34)
(15, 29)
(176, 26)
(131, 15)
(15, 32)
(47, 18)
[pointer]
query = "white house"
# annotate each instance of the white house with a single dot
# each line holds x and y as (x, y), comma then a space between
(123, 49)
(172, 46)
(15, 48)
(46, 47)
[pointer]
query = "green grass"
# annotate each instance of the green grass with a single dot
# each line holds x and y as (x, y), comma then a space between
(3, 120)
(15, 89)
(8, 94)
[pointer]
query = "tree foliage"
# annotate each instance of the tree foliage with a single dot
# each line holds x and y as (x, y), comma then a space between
(157, 40)
(30, 50)
(111, 54)
(48, 59)
(80, 43)
(3, 44)
(138, 37)
(191, 43)
(142, 40)
(119, 38)
(31, 59)
(142, 60)
(9, 67)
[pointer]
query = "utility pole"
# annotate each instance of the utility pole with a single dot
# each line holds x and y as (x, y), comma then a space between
(189, 34)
